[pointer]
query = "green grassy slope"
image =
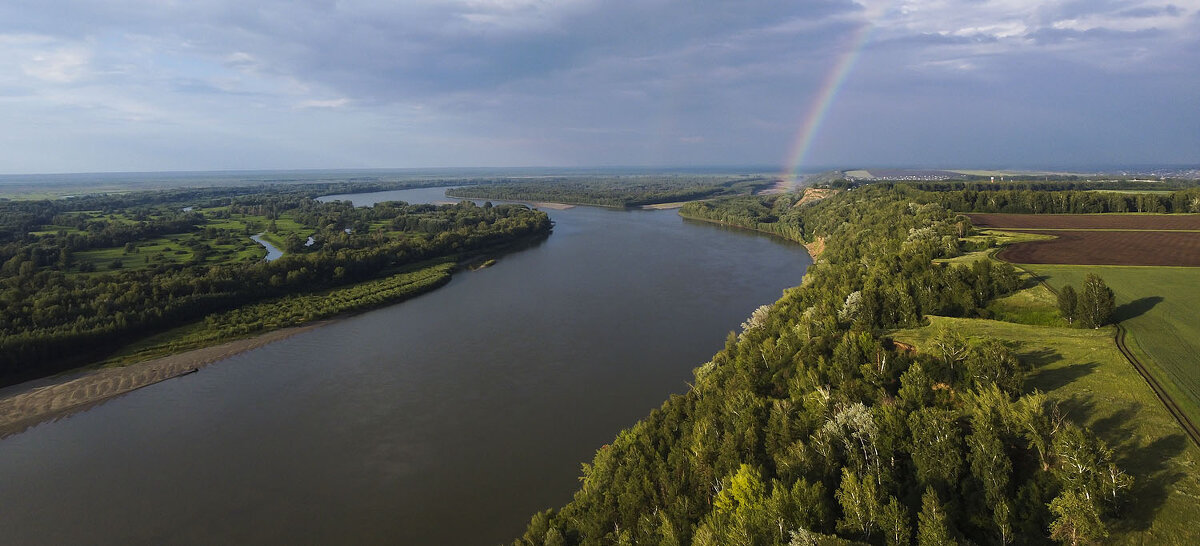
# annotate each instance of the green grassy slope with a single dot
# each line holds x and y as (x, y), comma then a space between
(1160, 308)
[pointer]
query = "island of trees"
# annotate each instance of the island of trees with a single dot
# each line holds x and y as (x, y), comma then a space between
(619, 192)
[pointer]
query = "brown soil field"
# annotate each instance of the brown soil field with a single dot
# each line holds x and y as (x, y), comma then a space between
(1109, 248)
(1087, 221)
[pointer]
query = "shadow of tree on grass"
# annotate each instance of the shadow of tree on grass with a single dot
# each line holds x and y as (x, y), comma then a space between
(1153, 480)
(1135, 308)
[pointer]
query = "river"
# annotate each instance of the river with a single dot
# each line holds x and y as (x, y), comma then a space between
(447, 419)
(272, 252)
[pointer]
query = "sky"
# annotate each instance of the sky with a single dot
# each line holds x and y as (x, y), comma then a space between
(150, 85)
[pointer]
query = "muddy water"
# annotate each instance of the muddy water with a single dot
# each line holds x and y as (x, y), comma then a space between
(447, 419)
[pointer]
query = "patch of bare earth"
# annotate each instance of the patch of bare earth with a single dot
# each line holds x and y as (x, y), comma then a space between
(816, 247)
(812, 195)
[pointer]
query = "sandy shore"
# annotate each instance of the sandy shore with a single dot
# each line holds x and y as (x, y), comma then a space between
(552, 206)
(28, 404)
(666, 206)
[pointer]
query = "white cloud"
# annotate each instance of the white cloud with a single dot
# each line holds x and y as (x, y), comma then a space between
(43, 58)
(323, 103)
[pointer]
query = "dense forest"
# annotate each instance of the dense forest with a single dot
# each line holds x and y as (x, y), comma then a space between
(179, 256)
(812, 427)
(778, 214)
(620, 191)
(1034, 201)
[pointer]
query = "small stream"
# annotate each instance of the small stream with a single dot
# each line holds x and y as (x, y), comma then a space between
(272, 252)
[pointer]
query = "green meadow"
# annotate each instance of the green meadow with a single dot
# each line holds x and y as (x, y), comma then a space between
(1160, 309)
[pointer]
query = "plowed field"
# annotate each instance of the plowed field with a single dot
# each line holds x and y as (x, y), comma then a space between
(1088, 221)
(1101, 239)
(1109, 248)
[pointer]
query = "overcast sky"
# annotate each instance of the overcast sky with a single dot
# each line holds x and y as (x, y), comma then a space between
(143, 85)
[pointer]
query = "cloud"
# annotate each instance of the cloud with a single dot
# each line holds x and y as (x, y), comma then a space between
(437, 82)
(323, 103)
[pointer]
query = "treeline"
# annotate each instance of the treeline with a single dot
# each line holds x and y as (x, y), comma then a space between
(299, 309)
(1054, 184)
(19, 217)
(50, 317)
(768, 213)
(1034, 201)
(620, 191)
(812, 427)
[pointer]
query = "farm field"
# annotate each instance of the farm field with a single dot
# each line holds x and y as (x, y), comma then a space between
(1101, 239)
(1153, 222)
(1145, 248)
(1160, 309)
(1095, 385)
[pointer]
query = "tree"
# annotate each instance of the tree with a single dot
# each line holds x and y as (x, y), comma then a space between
(933, 527)
(1096, 303)
(893, 518)
(860, 506)
(1078, 521)
(936, 445)
(951, 346)
(1068, 303)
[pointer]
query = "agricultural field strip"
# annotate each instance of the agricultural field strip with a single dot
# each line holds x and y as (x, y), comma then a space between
(1118, 221)
(1037, 229)
(1144, 248)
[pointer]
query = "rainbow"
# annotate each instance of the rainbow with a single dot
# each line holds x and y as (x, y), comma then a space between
(824, 99)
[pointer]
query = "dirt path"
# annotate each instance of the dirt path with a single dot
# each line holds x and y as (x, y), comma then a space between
(28, 404)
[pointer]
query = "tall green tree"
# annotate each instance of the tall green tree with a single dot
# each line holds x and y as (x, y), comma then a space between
(1078, 520)
(933, 525)
(1068, 303)
(1096, 304)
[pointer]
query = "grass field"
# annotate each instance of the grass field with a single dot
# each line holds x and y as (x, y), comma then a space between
(1160, 308)
(177, 248)
(1035, 306)
(1097, 386)
(170, 249)
(993, 238)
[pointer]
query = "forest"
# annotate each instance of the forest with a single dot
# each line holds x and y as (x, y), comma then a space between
(82, 277)
(812, 426)
(618, 191)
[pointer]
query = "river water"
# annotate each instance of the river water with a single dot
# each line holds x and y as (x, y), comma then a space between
(447, 419)
(272, 252)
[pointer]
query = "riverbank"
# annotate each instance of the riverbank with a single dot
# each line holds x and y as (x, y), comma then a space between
(192, 347)
(31, 403)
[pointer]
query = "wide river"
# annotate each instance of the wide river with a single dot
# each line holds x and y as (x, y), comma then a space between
(447, 419)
